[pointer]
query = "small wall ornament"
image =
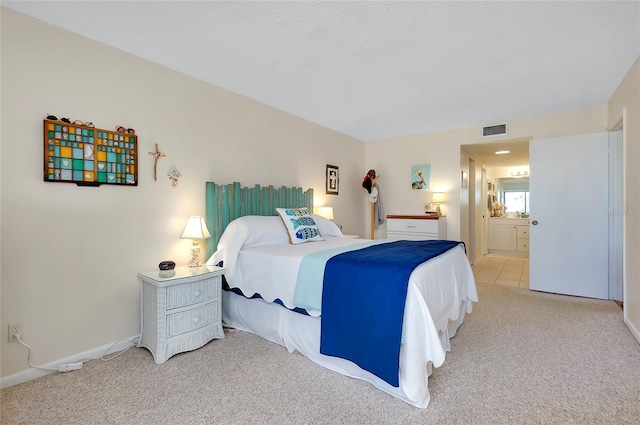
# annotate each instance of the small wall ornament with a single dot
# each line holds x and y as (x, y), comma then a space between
(157, 155)
(174, 176)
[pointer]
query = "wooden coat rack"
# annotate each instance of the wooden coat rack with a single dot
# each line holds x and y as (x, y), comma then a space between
(373, 219)
(372, 177)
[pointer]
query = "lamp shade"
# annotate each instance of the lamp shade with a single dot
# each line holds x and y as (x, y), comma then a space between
(195, 229)
(326, 212)
(438, 197)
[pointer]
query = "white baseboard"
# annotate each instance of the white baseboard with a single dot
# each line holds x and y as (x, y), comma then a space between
(96, 353)
(633, 329)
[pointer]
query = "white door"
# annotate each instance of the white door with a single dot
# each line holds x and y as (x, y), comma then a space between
(569, 215)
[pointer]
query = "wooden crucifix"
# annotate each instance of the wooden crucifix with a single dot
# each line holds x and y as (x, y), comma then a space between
(158, 155)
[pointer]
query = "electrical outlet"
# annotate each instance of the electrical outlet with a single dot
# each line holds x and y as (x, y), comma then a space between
(16, 328)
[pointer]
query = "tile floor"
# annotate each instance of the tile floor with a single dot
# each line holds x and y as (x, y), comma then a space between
(501, 269)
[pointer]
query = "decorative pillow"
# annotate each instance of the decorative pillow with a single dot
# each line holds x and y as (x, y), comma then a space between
(300, 225)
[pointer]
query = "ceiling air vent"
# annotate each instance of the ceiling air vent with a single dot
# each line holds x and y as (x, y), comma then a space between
(494, 130)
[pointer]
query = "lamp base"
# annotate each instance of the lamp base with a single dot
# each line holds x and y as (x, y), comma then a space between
(195, 255)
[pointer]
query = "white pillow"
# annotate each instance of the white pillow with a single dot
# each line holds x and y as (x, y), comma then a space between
(256, 230)
(300, 225)
(327, 227)
(250, 230)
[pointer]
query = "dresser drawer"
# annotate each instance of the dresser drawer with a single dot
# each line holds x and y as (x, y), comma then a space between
(193, 293)
(523, 245)
(523, 232)
(193, 319)
(405, 225)
(396, 236)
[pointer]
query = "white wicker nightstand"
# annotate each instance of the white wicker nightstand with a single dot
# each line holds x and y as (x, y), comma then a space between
(181, 309)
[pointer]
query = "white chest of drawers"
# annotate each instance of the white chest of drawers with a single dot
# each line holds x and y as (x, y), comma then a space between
(416, 227)
(180, 309)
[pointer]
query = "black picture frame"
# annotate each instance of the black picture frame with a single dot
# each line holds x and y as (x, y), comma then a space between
(332, 179)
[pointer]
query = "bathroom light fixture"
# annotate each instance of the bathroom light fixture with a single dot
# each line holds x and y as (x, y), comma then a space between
(524, 173)
(501, 152)
(195, 229)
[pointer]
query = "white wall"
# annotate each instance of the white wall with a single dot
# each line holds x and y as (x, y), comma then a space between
(70, 254)
(393, 158)
(626, 100)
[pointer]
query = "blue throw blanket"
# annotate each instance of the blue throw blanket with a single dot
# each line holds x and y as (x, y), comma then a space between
(308, 294)
(363, 300)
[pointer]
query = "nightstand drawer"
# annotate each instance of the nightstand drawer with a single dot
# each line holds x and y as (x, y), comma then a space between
(193, 293)
(193, 319)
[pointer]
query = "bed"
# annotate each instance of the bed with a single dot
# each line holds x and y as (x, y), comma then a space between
(263, 270)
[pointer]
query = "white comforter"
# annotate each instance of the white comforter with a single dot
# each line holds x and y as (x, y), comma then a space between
(439, 292)
(272, 270)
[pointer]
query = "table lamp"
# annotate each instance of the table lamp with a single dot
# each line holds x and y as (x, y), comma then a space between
(438, 198)
(326, 212)
(195, 229)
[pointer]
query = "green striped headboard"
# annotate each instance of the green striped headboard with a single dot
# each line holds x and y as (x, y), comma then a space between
(225, 203)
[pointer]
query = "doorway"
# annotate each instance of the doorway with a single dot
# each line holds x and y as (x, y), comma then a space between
(484, 164)
(484, 158)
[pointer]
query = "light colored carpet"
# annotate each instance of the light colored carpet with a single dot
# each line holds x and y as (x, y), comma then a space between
(521, 357)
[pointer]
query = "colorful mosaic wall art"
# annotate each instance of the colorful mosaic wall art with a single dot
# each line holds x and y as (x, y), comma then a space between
(85, 155)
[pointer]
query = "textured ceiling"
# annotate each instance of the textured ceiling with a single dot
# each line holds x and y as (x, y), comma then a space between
(383, 69)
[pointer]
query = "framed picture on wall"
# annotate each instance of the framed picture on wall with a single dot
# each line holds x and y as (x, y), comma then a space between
(465, 180)
(87, 156)
(332, 179)
(420, 176)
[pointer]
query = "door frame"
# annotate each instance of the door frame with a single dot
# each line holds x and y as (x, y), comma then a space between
(618, 211)
(472, 210)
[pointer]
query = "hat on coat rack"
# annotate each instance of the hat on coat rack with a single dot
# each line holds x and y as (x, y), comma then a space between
(369, 180)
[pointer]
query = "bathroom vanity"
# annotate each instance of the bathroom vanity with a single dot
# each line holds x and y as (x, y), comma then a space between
(508, 235)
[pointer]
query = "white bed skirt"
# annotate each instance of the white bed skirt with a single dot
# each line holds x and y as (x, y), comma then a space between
(302, 333)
